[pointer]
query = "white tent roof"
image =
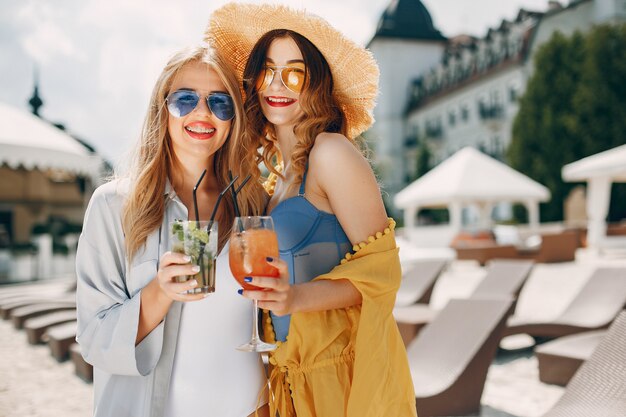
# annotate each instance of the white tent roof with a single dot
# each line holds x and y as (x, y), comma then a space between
(28, 141)
(470, 176)
(611, 163)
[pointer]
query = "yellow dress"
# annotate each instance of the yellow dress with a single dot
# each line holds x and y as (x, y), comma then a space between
(351, 361)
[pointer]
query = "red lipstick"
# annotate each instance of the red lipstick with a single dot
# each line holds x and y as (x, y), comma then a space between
(200, 130)
(277, 101)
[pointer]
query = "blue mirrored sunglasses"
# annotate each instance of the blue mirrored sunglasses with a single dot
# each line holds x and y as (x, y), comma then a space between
(182, 102)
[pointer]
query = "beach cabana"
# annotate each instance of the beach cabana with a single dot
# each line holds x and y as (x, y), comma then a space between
(43, 172)
(599, 171)
(470, 178)
(46, 179)
(32, 143)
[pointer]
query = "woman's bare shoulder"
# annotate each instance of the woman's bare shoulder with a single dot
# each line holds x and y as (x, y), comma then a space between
(334, 148)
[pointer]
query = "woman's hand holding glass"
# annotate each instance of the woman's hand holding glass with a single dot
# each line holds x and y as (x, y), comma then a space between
(172, 265)
(274, 294)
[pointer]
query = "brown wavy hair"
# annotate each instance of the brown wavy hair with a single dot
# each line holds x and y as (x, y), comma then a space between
(320, 111)
(154, 159)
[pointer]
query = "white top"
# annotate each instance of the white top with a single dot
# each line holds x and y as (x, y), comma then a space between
(134, 381)
(206, 363)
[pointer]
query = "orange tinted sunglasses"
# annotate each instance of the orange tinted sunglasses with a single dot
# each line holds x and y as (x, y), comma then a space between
(291, 77)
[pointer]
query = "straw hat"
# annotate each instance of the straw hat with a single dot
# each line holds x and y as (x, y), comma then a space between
(234, 29)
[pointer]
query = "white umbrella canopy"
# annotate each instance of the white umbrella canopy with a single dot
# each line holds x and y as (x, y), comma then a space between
(32, 143)
(470, 176)
(611, 163)
(600, 171)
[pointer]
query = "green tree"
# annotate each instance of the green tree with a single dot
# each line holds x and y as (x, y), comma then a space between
(600, 112)
(572, 108)
(424, 157)
(543, 124)
(425, 164)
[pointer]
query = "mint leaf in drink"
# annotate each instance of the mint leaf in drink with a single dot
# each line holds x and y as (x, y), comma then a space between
(200, 235)
(177, 226)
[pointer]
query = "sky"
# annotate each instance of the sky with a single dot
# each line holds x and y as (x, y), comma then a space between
(97, 60)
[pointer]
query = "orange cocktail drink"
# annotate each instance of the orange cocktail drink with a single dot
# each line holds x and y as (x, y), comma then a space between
(252, 241)
(248, 252)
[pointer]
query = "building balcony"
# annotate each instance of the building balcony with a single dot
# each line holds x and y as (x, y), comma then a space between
(490, 111)
(434, 132)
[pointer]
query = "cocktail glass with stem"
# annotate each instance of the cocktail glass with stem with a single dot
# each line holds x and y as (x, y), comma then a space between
(253, 239)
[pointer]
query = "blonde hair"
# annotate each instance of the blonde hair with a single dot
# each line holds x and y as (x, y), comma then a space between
(154, 159)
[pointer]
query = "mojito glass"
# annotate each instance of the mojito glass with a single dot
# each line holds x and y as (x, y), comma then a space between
(199, 241)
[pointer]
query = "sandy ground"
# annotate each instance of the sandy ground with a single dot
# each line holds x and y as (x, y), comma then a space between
(33, 384)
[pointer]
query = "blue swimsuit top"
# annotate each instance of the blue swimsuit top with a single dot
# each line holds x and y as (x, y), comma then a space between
(311, 241)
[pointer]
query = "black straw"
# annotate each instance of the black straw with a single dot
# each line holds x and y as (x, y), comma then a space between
(243, 183)
(195, 202)
(219, 198)
(210, 225)
(234, 194)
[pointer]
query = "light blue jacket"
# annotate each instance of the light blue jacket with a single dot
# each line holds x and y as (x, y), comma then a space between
(129, 380)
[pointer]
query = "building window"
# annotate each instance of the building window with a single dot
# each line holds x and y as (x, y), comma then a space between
(434, 129)
(451, 118)
(465, 113)
(497, 149)
(412, 140)
(513, 94)
(482, 107)
(490, 110)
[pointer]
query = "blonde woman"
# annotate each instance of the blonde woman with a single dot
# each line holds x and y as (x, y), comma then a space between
(155, 350)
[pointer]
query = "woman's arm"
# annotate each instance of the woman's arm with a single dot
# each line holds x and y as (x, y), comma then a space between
(118, 332)
(107, 311)
(306, 297)
(346, 180)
